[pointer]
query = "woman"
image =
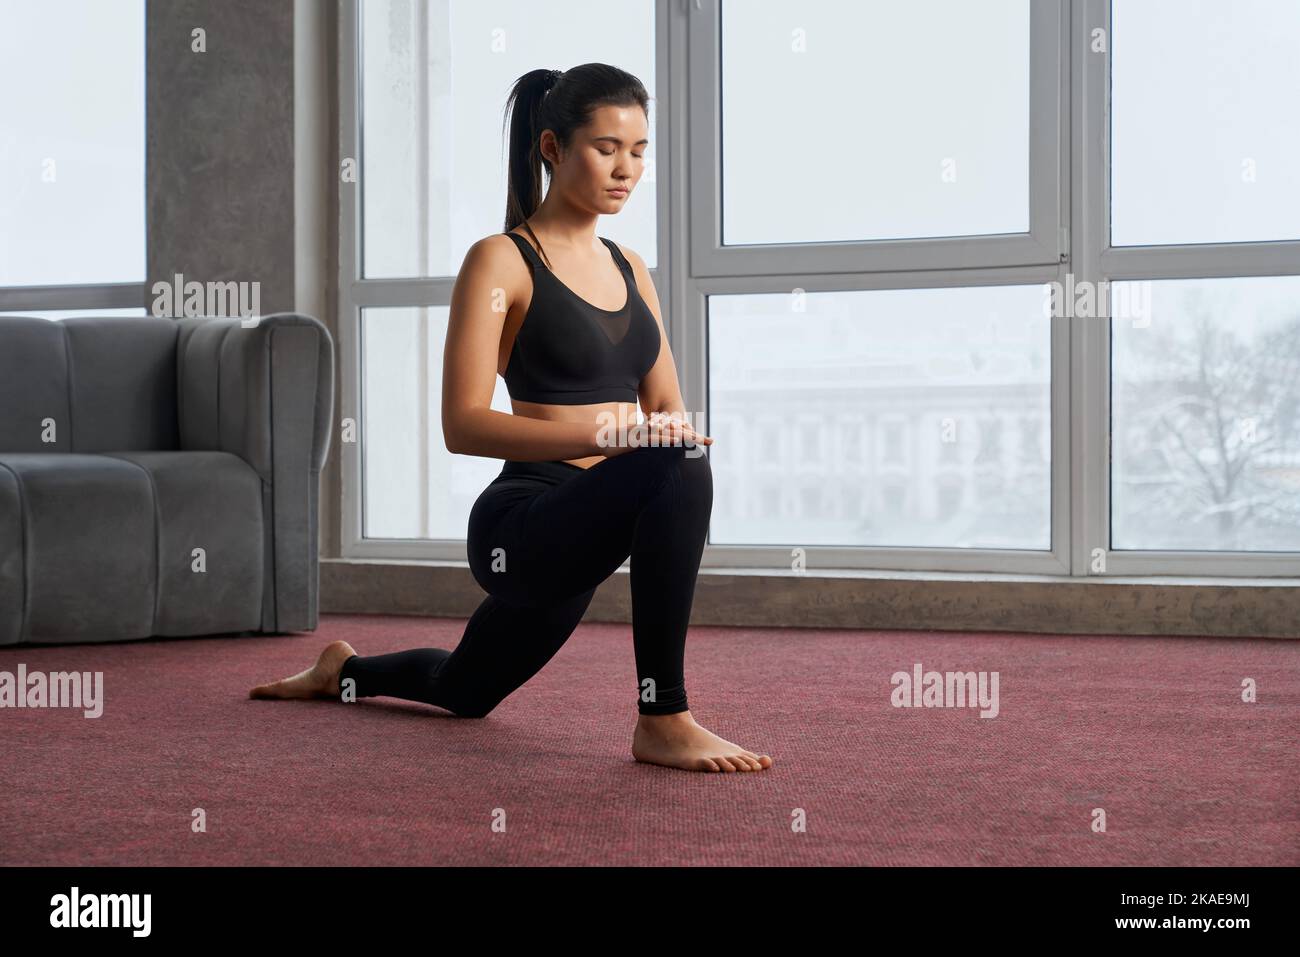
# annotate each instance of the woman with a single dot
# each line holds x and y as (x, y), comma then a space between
(584, 486)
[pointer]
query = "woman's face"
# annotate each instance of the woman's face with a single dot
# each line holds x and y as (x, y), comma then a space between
(608, 152)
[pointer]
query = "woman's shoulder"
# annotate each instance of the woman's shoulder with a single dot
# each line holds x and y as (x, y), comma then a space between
(496, 246)
(628, 252)
(633, 260)
(492, 254)
(501, 240)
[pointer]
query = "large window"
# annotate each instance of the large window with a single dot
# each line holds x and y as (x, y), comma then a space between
(922, 378)
(72, 211)
(1206, 416)
(1198, 210)
(1204, 137)
(868, 260)
(884, 120)
(1006, 286)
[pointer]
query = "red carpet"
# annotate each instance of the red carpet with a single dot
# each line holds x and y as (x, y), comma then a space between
(1153, 730)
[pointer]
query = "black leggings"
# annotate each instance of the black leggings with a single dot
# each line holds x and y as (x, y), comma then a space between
(542, 536)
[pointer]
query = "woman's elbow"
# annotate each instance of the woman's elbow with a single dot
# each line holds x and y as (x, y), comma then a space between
(458, 430)
(451, 435)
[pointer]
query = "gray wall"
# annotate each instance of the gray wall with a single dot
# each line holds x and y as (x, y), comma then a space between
(240, 167)
(219, 143)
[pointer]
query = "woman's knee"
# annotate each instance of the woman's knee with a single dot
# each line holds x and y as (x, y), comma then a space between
(679, 455)
(689, 476)
(697, 475)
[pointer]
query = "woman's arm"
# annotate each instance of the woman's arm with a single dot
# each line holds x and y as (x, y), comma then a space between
(485, 287)
(660, 390)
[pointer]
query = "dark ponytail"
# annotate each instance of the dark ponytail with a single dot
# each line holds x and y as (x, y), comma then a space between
(561, 102)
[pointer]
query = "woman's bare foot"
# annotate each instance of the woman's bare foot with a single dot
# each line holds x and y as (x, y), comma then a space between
(321, 680)
(676, 741)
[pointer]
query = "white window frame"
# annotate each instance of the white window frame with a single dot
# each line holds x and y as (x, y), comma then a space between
(1043, 244)
(1069, 228)
(1090, 338)
(997, 259)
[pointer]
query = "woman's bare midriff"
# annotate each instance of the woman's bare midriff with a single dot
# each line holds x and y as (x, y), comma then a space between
(617, 412)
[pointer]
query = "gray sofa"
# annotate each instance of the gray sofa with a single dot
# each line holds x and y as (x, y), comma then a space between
(160, 477)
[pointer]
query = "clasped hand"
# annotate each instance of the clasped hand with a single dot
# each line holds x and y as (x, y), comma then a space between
(661, 428)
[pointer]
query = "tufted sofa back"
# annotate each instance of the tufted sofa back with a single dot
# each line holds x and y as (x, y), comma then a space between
(88, 384)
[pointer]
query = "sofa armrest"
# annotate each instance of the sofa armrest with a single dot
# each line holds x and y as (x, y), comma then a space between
(232, 379)
(265, 392)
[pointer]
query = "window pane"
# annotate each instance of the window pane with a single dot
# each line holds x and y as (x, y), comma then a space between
(1205, 129)
(1205, 400)
(898, 120)
(434, 80)
(413, 487)
(900, 417)
(71, 142)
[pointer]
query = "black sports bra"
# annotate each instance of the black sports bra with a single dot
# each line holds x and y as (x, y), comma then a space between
(569, 352)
